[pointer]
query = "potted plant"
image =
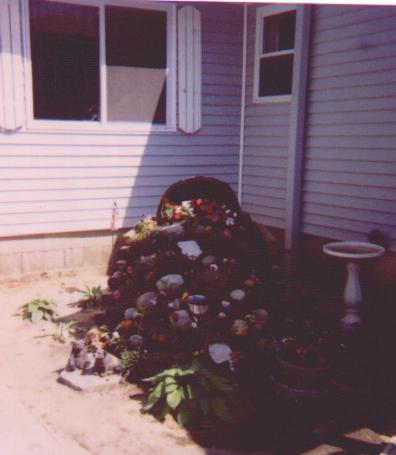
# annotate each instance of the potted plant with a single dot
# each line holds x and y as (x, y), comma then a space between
(303, 356)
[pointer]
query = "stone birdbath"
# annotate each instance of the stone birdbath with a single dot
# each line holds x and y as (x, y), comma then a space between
(353, 254)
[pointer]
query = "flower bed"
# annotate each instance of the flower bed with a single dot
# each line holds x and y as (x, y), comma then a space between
(192, 295)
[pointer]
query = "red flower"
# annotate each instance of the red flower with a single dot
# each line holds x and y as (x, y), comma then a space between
(227, 234)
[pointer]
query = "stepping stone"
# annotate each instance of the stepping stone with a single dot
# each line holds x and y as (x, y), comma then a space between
(86, 382)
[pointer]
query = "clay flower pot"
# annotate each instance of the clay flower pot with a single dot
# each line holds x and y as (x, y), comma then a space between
(303, 377)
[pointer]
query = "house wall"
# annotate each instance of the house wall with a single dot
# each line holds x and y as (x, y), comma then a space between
(60, 183)
(349, 175)
(350, 154)
(265, 147)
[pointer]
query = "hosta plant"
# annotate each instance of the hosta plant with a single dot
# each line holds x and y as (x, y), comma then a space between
(38, 309)
(192, 394)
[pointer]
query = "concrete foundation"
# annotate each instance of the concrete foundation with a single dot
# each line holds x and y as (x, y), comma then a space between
(24, 256)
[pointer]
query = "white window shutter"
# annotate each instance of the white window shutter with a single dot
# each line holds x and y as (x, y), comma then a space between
(189, 69)
(11, 67)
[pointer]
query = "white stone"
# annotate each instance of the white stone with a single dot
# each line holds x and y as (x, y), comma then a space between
(238, 295)
(190, 249)
(85, 382)
(220, 352)
(170, 283)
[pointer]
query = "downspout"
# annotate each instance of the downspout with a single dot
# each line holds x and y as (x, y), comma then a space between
(243, 95)
(297, 137)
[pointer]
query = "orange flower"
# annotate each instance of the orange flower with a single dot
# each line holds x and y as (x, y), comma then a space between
(125, 324)
(249, 283)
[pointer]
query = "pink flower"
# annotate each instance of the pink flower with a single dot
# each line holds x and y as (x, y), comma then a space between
(227, 234)
(116, 295)
(129, 269)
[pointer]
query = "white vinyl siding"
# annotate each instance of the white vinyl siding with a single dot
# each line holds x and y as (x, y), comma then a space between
(350, 157)
(58, 182)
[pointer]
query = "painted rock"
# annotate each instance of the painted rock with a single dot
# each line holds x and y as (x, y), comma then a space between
(190, 249)
(238, 295)
(170, 283)
(146, 301)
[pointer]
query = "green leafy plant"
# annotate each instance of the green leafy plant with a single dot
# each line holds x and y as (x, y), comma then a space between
(38, 309)
(191, 393)
(129, 361)
(91, 296)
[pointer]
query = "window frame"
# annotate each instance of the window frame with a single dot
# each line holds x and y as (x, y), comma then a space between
(261, 13)
(104, 126)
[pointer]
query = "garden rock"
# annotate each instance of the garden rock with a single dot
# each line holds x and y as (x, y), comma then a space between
(261, 315)
(238, 295)
(181, 319)
(131, 314)
(190, 249)
(208, 260)
(175, 304)
(136, 341)
(170, 283)
(220, 352)
(174, 231)
(146, 301)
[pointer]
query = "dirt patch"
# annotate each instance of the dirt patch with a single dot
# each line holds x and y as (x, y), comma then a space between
(102, 422)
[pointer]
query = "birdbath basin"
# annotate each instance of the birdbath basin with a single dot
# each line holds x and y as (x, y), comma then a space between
(353, 253)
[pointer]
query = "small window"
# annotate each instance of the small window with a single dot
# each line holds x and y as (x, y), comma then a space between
(274, 52)
(102, 63)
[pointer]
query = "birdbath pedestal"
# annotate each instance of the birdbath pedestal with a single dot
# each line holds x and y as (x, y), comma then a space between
(353, 253)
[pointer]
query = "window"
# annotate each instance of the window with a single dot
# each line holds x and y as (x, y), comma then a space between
(101, 64)
(275, 30)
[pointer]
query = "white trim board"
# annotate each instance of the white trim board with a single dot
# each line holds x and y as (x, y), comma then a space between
(297, 128)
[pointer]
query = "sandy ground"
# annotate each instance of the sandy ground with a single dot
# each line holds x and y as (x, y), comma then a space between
(96, 422)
